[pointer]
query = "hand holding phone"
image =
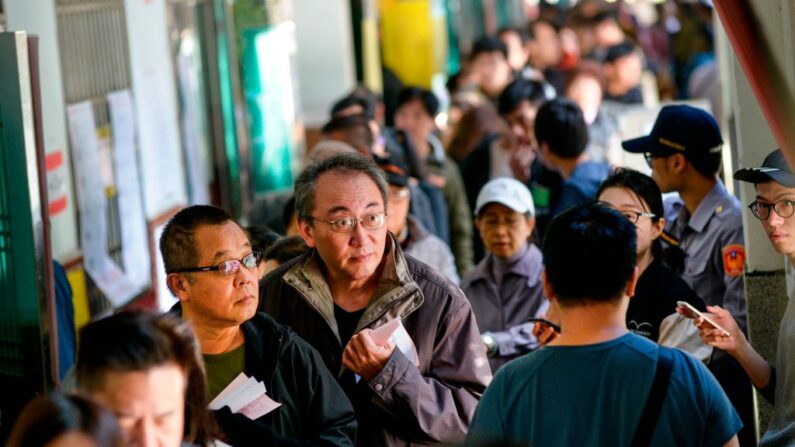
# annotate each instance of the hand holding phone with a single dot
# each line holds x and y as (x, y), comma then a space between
(693, 313)
(546, 322)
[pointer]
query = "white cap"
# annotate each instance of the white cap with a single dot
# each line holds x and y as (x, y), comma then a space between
(506, 191)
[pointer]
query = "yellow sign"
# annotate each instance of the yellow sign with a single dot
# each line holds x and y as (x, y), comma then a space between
(407, 40)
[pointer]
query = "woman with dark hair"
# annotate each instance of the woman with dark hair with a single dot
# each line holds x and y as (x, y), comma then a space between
(148, 369)
(60, 420)
(652, 310)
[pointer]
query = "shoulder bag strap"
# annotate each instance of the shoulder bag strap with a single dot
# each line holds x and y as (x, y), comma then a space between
(654, 403)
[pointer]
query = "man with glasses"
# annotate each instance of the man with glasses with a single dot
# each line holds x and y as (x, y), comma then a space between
(212, 270)
(705, 224)
(774, 206)
(421, 385)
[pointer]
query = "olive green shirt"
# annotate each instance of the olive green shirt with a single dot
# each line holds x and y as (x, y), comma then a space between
(223, 368)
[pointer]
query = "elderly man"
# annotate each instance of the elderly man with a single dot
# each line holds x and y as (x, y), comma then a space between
(213, 271)
(355, 279)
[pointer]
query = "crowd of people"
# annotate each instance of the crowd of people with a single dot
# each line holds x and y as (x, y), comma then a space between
(417, 261)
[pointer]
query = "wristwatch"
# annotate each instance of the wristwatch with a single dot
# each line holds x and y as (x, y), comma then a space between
(489, 342)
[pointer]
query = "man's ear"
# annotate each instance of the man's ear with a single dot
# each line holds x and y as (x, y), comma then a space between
(179, 285)
(550, 294)
(307, 232)
(678, 163)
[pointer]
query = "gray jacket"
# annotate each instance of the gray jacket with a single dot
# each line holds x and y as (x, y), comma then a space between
(503, 310)
(404, 404)
(429, 249)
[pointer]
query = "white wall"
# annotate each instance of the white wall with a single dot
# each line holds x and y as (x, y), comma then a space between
(38, 17)
(155, 96)
(325, 55)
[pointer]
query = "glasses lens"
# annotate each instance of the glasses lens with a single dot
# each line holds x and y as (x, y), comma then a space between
(632, 217)
(647, 156)
(785, 208)
(250, 260)
(760, 210)
(228, 267)
(373, 221)
(344, 225)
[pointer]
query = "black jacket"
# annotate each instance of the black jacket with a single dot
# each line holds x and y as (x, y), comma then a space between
(314, 411)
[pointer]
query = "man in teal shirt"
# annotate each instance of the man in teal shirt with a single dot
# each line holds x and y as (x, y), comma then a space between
(589, 386)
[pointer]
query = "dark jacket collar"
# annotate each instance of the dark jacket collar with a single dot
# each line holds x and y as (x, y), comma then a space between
(263, 341)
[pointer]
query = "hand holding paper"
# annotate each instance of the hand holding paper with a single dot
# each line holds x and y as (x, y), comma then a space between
(369, 350)
(364, 356)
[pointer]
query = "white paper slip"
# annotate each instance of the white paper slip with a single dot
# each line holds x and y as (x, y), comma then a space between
(259, 407)
(219, 400)
(394, 331)
(245, 395)
(249, 392)
(381, 334)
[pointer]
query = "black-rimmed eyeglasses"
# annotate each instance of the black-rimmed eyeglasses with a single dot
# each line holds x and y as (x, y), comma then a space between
(634, 216)
(228, 267)
(761, 210)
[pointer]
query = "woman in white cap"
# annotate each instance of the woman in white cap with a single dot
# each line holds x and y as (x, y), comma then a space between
(774, 206)
(505, 289)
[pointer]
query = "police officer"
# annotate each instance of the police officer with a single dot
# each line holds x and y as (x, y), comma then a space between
(704, 227)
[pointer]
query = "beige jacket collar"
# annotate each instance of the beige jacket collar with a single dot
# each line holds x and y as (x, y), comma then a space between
(397, 295)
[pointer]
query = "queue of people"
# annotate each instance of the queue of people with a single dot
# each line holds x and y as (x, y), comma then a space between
(572, 274)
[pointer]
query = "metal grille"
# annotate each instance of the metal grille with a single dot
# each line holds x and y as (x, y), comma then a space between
(95, 61)
(94, 53)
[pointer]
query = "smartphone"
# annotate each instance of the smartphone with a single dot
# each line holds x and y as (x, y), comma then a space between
(692, 312)
(554, 326)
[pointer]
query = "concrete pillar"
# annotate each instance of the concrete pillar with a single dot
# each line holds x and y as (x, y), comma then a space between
(751, 139)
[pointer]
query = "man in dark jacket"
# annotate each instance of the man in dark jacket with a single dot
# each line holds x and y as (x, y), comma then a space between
(212, 271)
(422, 385)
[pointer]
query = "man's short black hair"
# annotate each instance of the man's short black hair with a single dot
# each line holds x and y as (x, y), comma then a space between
(356, 129)
(285, 249)
(589, 254)
(428, 100)
(619, 50)
(518, 91)
(177, 243)
(488, 44)
(561, 125)
(352, 100)
(261, 238)
(708, 165)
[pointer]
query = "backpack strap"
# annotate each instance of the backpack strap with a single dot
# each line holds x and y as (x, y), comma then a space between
(654, 403)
